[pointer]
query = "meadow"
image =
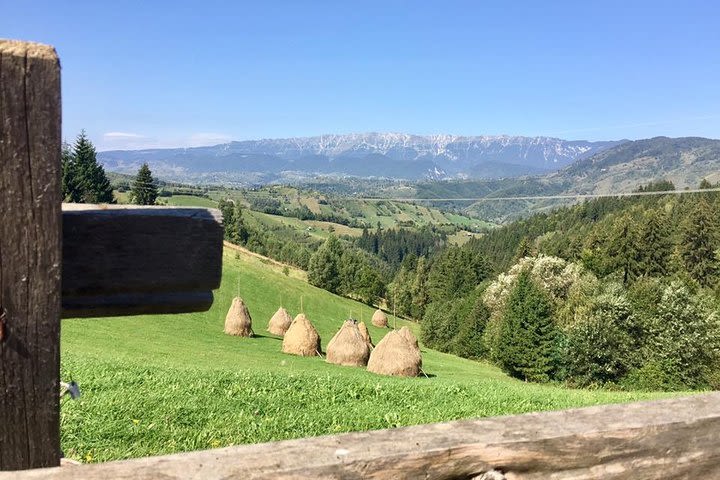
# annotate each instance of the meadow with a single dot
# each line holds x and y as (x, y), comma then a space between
(170, 383)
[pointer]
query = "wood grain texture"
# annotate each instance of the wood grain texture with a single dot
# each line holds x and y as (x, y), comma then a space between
(669, 439)
(125, 260)
(29, 255)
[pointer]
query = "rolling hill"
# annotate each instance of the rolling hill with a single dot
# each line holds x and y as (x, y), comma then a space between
(619, 169)
(684, 161)
(169, 383)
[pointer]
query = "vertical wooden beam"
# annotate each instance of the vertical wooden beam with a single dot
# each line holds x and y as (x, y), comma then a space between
(30, 255)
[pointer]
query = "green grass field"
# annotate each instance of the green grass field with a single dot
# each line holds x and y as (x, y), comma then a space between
(170, 383)
(189, 201)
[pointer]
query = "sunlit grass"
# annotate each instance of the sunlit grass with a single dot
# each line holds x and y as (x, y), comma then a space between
(169, 383)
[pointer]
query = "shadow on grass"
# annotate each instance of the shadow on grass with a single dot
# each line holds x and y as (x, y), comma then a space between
(270, 337)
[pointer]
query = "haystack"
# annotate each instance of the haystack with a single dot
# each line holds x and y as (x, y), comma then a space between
(280, 322)
(365, 333)
(348, 346)
(301, 338)
(408, 335)
(379, 319)
(238, 321)
(395, 355)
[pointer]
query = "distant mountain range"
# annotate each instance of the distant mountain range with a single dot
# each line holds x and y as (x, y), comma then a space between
(620, 169)
(371, 155)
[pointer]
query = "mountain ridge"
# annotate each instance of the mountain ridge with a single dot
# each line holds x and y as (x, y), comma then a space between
(685, 161)
(384, 155)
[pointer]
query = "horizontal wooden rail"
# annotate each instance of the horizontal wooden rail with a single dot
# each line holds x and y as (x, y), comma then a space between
(125, 260)
(669, 439)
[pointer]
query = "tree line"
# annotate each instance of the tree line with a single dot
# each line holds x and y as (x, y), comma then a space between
(620, 292)
(84, 179)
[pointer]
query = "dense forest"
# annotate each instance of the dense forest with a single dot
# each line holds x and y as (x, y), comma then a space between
(618, 292)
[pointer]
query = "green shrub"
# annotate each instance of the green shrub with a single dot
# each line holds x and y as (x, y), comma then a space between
(652, 376)
(601, 347)
(684, 340)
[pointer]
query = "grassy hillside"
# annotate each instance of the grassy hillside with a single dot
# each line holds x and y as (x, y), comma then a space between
(685, 161)
(356, 210)
(273, 206)
(169, 383)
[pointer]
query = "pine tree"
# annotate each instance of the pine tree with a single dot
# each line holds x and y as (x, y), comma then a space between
(657, 247)
(89, 179)
(324, 268)
(144, 189)
(456, 272)
(705, 184)
(401, 287)
(699, 243)
(528, 335)
(238, 232)
(420, 297)
(525, 249)
(468, 342)
(70, 191)
(233, 222)
(624, 248)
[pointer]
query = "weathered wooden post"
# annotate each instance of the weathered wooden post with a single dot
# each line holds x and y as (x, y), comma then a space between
(81, 260)
(30, 250)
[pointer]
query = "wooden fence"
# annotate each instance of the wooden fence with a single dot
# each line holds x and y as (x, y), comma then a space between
(169, 260)
(665, 439)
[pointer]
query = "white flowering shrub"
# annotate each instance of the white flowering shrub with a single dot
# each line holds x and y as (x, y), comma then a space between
(558, 278)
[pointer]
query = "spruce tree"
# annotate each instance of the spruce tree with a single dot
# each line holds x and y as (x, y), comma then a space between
(89, 176)
(699, 243)
(657, 248)
(468, 342)
(528, 335)
(419, 291)
(456, 272)
(524, 249)
(624, 248)
(401, 287)
(70, 190)
(144, 189)
(705, 184)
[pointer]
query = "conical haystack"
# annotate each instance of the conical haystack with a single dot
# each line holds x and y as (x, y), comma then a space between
(365, 333)
(395, 355)
(408, 335)
(348, 347)
(280, 322)
(301, 338)
(379, 319)
(238, 321)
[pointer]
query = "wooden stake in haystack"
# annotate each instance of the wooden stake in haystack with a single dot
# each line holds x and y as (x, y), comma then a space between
(301, 338)
(348, 347)
(397, 354)
(238, 321)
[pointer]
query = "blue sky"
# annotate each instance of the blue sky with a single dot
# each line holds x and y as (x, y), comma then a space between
(154, 73)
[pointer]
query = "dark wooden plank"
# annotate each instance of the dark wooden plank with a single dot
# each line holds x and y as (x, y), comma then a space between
(124, 260)
(29, 255)
(669, 439)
